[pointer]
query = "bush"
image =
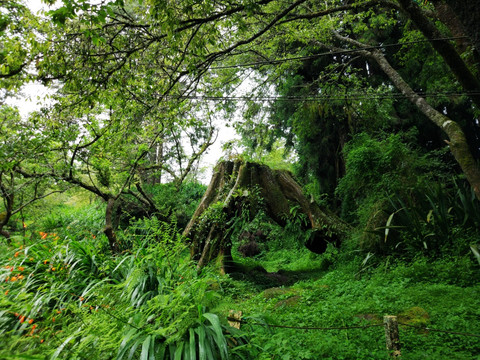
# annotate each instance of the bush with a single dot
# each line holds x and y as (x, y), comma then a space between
(181, 202)
(378, 170)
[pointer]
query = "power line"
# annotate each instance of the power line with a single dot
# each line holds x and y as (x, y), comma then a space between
(303, 327)
(327, 53)
(440, 331)
(349, 96)
(242, 321)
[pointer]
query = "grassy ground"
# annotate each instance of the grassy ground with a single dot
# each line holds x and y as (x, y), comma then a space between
(442, 294)
(85, 303)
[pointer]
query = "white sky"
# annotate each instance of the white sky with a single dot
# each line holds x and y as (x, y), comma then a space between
(36, 5)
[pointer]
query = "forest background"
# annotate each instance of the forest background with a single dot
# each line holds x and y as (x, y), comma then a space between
(371, 108)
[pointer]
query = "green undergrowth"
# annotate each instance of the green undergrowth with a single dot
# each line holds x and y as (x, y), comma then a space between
(63, 295)
(442, 294)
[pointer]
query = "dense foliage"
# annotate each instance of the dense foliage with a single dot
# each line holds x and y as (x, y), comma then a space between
(372, 105)
(64, 296)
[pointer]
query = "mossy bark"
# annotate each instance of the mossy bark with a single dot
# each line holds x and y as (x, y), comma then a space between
(457, 140)
(226, 195)
(109, 228)
(8, 200)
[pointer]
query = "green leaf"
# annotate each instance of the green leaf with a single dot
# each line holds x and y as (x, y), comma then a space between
(219, 337)
(476, 252)
(178, 352)
(193, 345)
(145, 348)
(61, 347)
(201, 343)
(126, 341)
(133, 349)
(387, 229)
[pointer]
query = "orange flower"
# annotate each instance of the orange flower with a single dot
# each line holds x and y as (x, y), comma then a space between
(22, 319)
(24, 225)
(53, 319)
(41, 341)
(16, 254)
(33, 329)
(17, 314)
(20, 277)
(14, 278)
(53, 269)
(6, 292)
(30, 321)
(43, 235)
(21, 268)
(81, 298)
(45, 262)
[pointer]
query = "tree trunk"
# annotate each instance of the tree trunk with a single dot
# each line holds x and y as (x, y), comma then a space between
(445, 49)
(457, 140)
(109, 230)
(4, 218)
(235, 185)
(8, 199)
(469, 14)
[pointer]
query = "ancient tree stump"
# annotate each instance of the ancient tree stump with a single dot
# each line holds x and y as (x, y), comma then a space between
(232, 188)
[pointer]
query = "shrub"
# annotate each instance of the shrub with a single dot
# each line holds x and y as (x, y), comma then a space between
(378, 170)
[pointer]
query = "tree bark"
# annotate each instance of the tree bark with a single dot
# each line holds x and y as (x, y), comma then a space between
(446, 50)
(109, 229)
(457, 140)
(469, 14)
(8, 198)
(236, 184)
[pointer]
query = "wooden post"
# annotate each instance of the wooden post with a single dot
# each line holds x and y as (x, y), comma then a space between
(391, 335)
(235, 315)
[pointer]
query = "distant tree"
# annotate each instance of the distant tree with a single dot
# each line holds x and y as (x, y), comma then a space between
(184, 41)
(136, 60)
(22, 145)
(23, 38)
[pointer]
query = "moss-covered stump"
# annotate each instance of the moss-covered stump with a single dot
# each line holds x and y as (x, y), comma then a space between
(238, 185)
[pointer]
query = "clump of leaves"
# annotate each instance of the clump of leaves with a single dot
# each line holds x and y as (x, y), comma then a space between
(67, 299)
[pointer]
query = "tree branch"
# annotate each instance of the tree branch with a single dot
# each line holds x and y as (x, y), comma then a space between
(446, 50)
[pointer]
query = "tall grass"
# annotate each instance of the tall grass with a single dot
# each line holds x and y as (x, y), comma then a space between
(443, 220)
(64, 297)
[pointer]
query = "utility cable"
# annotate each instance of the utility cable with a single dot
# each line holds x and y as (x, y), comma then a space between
(302, 327)
(232, 319)
(351, 96)
(441, 331)
(327, 53)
